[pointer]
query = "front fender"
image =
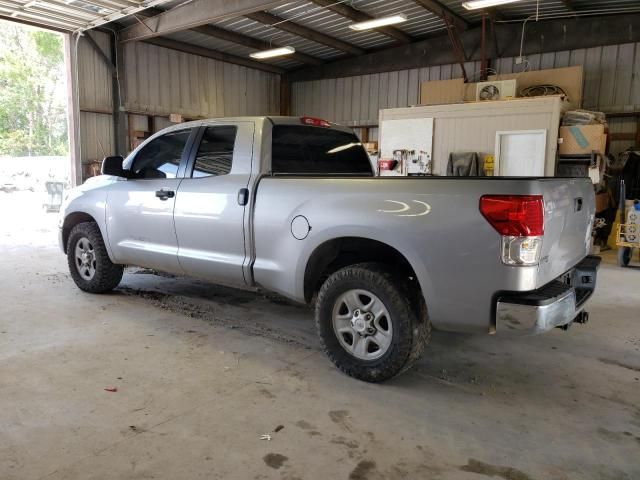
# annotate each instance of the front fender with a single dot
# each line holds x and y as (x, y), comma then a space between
(85, 203)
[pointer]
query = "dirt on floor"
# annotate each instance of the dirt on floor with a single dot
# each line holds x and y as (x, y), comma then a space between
(173, 378)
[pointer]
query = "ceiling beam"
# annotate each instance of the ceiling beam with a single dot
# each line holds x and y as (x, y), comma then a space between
(214, 54)
(251, 42)
(543, 36)
(439, 10)
(305, 32)
(193, 14)
(236, 38)
(51, 26)
(359, 16)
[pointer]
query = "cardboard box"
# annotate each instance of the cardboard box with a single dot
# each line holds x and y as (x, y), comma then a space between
(371, 147)
(440, 92)
(582, 139)
(602, 201)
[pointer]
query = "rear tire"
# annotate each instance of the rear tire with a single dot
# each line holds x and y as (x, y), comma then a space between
(624, 256)
(89, 264)
(368, 326)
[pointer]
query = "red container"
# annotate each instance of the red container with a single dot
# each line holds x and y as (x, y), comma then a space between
(387, 164)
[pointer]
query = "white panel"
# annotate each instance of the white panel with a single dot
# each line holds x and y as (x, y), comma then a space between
(520, 153)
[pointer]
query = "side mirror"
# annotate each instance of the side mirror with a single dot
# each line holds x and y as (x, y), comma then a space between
(113, 166)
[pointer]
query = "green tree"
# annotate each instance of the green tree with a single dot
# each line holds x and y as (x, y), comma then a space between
(33, 118)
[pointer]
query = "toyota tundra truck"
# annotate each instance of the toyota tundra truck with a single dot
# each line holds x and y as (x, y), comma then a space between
(292, 205)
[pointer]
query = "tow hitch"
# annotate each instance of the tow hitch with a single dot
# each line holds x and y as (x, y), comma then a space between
(582, 317)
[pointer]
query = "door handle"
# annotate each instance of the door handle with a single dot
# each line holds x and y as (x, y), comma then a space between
(164, 194)
(243, 196)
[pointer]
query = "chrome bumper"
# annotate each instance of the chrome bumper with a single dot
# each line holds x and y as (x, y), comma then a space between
(554, 305)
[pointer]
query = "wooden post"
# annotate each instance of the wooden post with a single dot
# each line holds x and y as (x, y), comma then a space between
(117, 87)
(285, 95)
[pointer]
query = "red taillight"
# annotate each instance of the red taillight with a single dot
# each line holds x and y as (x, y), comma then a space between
(514, 215)
(316, 122)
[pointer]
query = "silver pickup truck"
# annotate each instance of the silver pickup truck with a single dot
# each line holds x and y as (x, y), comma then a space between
(292, 205)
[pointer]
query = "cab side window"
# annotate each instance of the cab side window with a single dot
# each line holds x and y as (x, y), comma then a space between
(215, 153)
(161, 157)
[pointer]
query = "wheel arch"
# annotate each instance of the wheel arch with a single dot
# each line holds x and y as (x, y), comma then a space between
(336, 253)
(70, 221)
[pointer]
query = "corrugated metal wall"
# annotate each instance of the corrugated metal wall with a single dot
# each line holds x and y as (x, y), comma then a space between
(162, 81)
(94, 90)
(357, 100)
(611, 83)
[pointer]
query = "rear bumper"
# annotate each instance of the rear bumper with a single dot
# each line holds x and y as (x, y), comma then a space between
(556, 304)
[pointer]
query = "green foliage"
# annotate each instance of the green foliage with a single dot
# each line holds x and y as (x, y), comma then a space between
(33, 118)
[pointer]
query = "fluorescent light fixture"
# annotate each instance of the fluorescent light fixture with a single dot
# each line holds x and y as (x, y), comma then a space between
(274, 52)
(476, 4)
(379, 22)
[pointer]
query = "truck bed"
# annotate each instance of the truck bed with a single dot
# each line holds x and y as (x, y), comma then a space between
(434, 222)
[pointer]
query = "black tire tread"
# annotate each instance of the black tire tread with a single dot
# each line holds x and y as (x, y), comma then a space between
(108, 274)
(413, 316)
(624, 256)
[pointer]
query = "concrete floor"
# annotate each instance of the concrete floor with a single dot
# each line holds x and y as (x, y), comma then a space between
(202, 372)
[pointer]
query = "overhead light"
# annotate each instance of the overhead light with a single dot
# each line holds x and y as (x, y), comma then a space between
(274, 52)
(379, 22)
(476, 4)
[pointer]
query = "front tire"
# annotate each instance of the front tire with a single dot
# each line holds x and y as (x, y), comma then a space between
(89, 264)
(367, 324)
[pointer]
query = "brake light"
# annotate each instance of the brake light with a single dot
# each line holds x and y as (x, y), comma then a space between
(519, 219)
(514, 215)
(315, 122)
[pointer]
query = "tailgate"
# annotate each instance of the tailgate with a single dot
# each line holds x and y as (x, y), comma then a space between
(569, 206)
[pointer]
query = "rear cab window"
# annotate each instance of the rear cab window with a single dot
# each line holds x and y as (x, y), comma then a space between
(317, 151)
